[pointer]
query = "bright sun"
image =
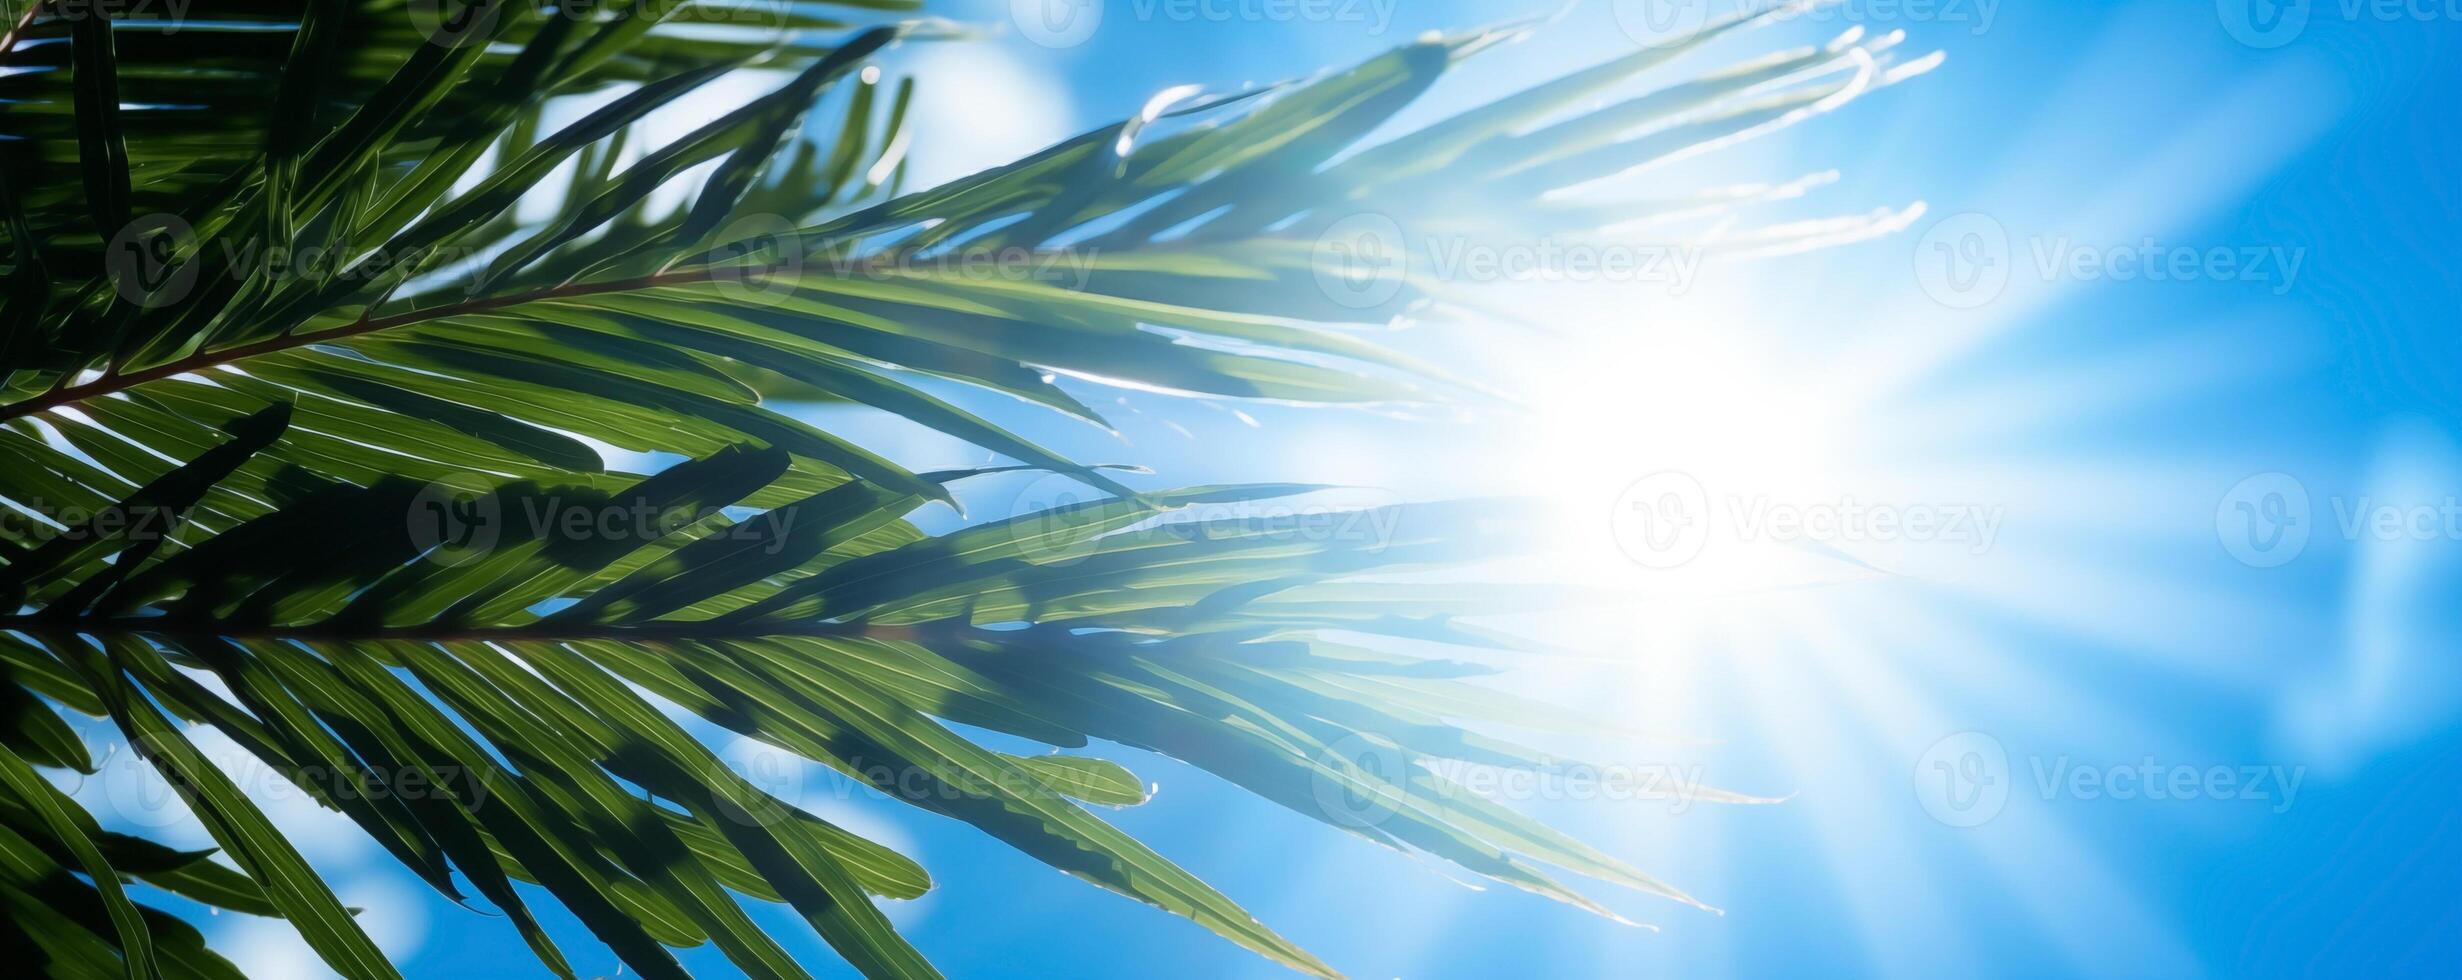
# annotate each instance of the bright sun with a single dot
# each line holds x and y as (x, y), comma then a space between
(1675, 453)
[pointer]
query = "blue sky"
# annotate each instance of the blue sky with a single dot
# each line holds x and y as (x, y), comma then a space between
(2175, 320)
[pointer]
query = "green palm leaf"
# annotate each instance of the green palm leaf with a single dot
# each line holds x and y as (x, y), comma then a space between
(335, 461)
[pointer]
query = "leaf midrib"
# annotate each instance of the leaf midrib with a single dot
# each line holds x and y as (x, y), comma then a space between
(116, 382)
(690, 631)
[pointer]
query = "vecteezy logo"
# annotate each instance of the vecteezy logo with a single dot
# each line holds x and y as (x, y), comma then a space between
(1657, 23)
(135, 792)
(2264, 521)
(1057, 23)
(152, 260)
(1963, 780)
(1361, 261)
(1662, 520)
(1357, 783)
(2263, 23)
(777, 775)
(454, 23)
(1053, 521)
(455, 520)
(758, 260)
(1963, 262)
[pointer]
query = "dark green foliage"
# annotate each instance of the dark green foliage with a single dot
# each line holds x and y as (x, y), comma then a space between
(312, 479)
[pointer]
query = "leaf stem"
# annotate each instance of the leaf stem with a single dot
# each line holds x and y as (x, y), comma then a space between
(448, 633)
(116, 382)
(8, 43)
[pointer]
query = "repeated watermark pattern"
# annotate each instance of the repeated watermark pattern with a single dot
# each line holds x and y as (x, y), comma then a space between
(131, 789)
(1967, 261)
(762, 258)
(462, 519)
(1966, 780)
(2275, 23)
(1665, 20)
(156, 260)
(1365, 779)
(37, 519)
(788, 780)
(1665, 520)
(2269, 519)
(1654, 23)
(1975, 17)
(453, 23)
(127, 786)
(168, 15)
(1069, 23)
(1364, 260)
(1651, 23)
(1058, 521)
(758, 260)
(1066, 268)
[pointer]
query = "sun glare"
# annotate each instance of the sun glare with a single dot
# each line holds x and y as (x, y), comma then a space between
(1680, 455)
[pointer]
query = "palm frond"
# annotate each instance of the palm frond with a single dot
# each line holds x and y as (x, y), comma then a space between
(827, 643)
(308, 480)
